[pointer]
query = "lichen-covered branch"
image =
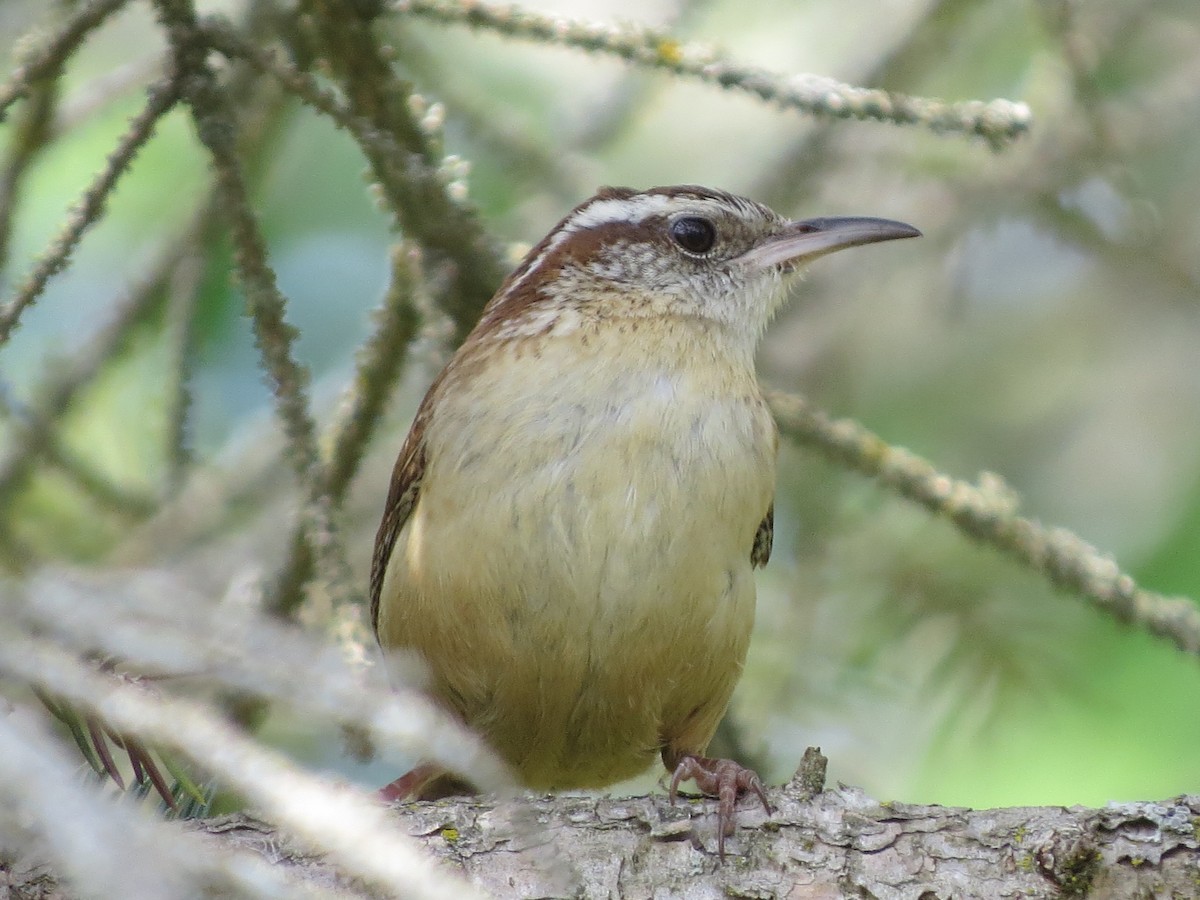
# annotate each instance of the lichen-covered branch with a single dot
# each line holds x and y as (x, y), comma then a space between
(832, 843)
(328, 835)
(997, 121)
(987, 513)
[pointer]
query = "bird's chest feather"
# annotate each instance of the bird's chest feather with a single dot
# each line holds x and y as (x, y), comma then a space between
(603, 477)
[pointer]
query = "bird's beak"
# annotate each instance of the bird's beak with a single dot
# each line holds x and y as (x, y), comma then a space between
(800, 242)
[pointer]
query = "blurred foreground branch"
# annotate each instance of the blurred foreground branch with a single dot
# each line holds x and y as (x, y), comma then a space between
(232, 648)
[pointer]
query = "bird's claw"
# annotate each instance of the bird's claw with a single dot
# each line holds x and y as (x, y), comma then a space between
(723, 779)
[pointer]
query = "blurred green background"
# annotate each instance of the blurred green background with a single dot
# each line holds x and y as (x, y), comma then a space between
(1046, 328)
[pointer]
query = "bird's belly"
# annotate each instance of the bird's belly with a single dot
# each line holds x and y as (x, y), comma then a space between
(578, 669)
(584, 609)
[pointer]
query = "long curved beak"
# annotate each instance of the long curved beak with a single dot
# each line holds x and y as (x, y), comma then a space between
(800, 242)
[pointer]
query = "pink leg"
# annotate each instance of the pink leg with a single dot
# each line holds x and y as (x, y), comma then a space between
(425, 782)
(408, 786)
(724, 779)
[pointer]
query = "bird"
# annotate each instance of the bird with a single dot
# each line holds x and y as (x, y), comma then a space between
(569, 537)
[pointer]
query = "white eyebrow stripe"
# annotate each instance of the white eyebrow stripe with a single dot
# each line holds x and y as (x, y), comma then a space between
(632, 210)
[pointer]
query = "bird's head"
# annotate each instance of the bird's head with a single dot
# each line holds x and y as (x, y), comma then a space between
(682, 251)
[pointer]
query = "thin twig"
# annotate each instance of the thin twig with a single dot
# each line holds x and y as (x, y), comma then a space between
(186, 283)
(417, 194)
(105, 89)
(266, 304)
(36, 436)
(523, 154)
(611, 116)
(48, 58)
(40, 438)
(162, 96)
(987, 513)
(998, 121)
(806, 162)
(30, 135)
(225, 39)
(380, 362)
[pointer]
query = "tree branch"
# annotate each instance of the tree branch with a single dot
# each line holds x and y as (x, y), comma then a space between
(835, 843)
(987, 513)
(998, 121)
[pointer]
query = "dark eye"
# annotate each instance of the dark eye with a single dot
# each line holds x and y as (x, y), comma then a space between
(694, 234)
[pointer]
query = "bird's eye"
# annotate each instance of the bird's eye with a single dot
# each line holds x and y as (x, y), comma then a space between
(694, 234)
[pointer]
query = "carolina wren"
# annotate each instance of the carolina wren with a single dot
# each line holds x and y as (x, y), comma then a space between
(573, 522)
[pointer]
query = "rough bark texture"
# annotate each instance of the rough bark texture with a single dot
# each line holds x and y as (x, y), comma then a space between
(838, 843)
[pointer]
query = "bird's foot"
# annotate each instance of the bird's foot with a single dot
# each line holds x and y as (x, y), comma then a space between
(723, 779)
(410, 785)
(425, 782)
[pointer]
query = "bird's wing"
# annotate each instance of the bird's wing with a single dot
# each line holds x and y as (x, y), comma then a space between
(761, 551)
(401, 498)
